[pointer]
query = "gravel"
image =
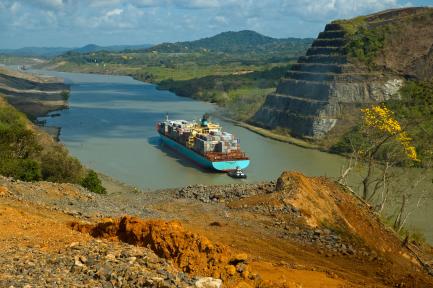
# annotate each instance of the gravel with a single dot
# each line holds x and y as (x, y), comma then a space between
(95, 264)
(222, 193)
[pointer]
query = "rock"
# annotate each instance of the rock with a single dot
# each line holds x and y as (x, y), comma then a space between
(73, 244)
(245, 274)
(78, 262)
(83, 259)
(231, 270)
(3, 191)
(238, 258)
(208, 282)
(241, 267)
(110, 257)
(131, 260)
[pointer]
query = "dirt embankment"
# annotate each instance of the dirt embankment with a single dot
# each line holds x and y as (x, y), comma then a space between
(295, 232)
(34, 95)
(191, 252)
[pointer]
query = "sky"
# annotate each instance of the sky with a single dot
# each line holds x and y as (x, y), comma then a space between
(75, 23)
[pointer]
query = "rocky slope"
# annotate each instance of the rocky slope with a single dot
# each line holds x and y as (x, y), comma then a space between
(295, 232)
(352, 63)
(34, 95)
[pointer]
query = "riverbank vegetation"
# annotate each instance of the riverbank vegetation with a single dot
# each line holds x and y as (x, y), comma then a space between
(30, 155)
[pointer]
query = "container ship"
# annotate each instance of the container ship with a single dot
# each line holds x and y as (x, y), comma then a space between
(204, 143)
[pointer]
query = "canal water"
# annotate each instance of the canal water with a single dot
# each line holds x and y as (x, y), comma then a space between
(110, 127)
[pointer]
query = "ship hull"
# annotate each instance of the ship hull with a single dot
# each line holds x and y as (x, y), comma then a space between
(222, 166)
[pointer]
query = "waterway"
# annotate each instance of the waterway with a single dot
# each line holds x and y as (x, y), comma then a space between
(110, 127)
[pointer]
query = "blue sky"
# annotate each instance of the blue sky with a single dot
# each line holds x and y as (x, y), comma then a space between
(74, 23)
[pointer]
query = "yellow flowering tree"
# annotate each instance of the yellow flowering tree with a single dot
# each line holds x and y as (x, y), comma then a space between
(383, 144)
(383, 123)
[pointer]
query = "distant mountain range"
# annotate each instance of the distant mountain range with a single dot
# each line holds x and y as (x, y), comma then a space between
(35, 51)
(48, 52)
(114, 48)
(233, 42)
(245, 41)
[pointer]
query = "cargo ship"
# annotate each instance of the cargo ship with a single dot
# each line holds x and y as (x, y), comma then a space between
(204, 142)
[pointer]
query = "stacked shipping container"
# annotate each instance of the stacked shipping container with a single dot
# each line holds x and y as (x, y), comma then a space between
(203, 140)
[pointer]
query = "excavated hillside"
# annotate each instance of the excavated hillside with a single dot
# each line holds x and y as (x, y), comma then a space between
(351, 64)
(296, 232)
(34, 95)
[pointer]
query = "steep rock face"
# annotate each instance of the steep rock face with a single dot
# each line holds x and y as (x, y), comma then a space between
(313, 96)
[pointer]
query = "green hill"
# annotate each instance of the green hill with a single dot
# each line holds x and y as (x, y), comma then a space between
(233, 42)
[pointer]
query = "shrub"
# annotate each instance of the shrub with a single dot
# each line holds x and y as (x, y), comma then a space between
(93, 183)
(365, 44)
(22, 169)
(22, 157)
(65, 95)
(18, 146)
(58, 166)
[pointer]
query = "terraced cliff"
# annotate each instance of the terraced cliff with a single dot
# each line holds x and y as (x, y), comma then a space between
(351, 64)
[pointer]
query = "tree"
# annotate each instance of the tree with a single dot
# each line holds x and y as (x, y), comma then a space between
(385, 144)
(376, 160)
(93, 183)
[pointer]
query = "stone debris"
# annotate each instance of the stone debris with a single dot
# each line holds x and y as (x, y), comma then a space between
(73, 200)
(221, 193)
(208, 282)
(94, 264)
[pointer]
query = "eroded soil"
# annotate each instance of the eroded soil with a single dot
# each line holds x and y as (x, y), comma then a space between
(296, 232)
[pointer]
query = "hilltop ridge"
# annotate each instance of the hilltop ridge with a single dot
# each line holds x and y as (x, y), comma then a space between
(231, 42)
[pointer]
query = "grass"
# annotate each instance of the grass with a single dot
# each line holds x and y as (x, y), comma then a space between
(156, 74)
(351, 26)
(364, 42)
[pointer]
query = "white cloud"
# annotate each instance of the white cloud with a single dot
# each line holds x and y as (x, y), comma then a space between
(114, 12)
(221, 20)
